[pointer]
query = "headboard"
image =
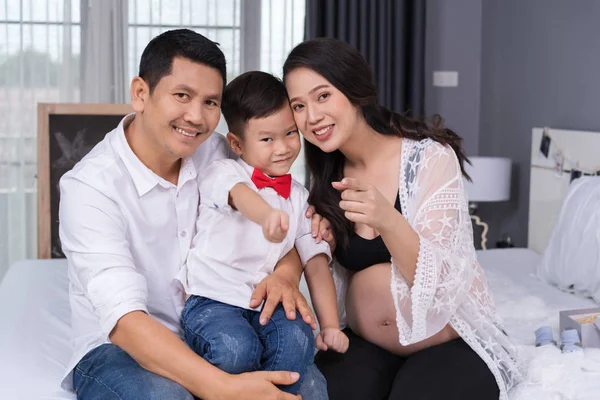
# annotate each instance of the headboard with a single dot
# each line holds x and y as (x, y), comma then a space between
(567, 151)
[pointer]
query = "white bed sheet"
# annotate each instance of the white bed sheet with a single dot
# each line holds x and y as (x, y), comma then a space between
(34, 336)
(525, 303)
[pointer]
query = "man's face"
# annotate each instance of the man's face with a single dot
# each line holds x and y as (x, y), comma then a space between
(184, 109)
(271, 144)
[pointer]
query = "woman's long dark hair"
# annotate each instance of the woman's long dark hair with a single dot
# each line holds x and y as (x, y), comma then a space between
(346, 69)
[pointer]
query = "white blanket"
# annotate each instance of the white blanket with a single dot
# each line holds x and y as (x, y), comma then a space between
(526, 303)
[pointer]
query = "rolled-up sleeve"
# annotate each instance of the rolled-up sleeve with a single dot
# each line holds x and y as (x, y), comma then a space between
(217, 180)
(305, 243)
(93, 236)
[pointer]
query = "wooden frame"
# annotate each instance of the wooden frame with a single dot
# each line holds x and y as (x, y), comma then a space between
(43, 159)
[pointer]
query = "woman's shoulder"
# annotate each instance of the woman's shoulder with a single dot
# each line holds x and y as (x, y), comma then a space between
(425, 148)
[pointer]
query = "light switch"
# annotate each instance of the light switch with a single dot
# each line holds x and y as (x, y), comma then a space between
(445, 78)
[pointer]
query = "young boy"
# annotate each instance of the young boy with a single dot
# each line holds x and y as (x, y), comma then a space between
(251, 215)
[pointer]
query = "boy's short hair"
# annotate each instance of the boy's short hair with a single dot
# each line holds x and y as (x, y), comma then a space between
(253, 94)
(157, 58)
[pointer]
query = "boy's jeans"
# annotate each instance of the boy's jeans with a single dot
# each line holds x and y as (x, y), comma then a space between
(232, 339)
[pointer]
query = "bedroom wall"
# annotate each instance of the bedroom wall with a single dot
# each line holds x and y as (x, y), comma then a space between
(540, 66)
(453, 43)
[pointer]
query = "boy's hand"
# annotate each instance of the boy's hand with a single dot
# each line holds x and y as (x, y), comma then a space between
(332, 339)
(276, 225)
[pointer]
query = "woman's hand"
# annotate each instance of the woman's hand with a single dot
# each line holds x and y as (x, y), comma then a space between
(364, 204)
(321, 228)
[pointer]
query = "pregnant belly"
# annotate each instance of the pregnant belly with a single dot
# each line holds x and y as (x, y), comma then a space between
(371, 313)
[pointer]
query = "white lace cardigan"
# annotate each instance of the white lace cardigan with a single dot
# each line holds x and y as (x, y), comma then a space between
(449, 285)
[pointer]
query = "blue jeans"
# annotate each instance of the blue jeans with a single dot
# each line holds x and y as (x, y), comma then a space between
(109, 373)
(232, 339)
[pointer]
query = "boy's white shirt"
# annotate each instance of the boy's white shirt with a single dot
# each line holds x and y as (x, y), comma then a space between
(126, 233)
(230, 254)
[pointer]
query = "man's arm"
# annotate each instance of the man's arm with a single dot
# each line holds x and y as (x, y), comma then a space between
(282, 287)
(159, 350)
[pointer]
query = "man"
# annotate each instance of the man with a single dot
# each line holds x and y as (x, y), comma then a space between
(127, 216)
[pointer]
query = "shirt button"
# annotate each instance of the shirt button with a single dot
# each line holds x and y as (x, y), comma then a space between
(183, 233)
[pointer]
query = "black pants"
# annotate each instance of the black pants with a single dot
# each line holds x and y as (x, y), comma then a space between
(448, 371)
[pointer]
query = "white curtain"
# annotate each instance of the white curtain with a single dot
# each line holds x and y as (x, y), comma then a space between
(39, 62)
(104, 35)
(88, 51)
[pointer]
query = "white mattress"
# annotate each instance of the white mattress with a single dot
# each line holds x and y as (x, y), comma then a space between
(34, 332)
(523, 301)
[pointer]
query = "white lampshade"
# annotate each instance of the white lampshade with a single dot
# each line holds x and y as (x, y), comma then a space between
(491, 179)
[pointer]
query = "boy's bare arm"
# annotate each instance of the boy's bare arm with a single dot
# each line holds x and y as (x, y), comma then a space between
(275, 223)
(322, 291)
(249, 203)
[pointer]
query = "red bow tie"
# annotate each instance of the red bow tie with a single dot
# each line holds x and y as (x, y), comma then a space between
(281, 184)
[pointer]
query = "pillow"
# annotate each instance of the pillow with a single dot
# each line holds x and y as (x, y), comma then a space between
(572, 259)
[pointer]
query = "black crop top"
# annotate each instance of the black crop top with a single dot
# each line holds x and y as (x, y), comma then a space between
(361, 253)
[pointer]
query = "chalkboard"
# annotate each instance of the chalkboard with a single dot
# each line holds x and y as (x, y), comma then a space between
(66, 133)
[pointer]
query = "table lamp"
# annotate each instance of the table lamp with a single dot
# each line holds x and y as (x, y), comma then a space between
(490, 183)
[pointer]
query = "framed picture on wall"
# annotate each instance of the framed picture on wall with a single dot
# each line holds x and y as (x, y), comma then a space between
(66, 133)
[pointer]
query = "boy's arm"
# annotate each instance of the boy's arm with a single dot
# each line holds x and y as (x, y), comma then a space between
(275, 222)
(322, 291)
(249, 203)
(225, 187)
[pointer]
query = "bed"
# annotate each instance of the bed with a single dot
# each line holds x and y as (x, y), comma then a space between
(35, 314)
(35, 348)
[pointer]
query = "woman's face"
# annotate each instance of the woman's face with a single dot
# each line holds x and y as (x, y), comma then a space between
(323, 114)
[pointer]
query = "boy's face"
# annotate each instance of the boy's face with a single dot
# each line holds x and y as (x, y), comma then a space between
(270, 144)
(183, 110)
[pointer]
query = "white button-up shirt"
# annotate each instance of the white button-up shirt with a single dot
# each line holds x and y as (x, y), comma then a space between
(126, 233)
(230, 254)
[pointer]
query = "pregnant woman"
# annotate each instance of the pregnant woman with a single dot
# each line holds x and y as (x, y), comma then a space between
(421, 322)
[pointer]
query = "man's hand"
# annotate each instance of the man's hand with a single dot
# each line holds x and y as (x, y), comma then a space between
(321, 228)
(258, 385)
(275, 226)
(332, 339)
(277, 289)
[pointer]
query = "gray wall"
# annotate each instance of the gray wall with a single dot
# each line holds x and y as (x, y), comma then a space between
(453, 43)
(540, 66)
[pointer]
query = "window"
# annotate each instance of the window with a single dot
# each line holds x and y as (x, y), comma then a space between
(40, 61)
